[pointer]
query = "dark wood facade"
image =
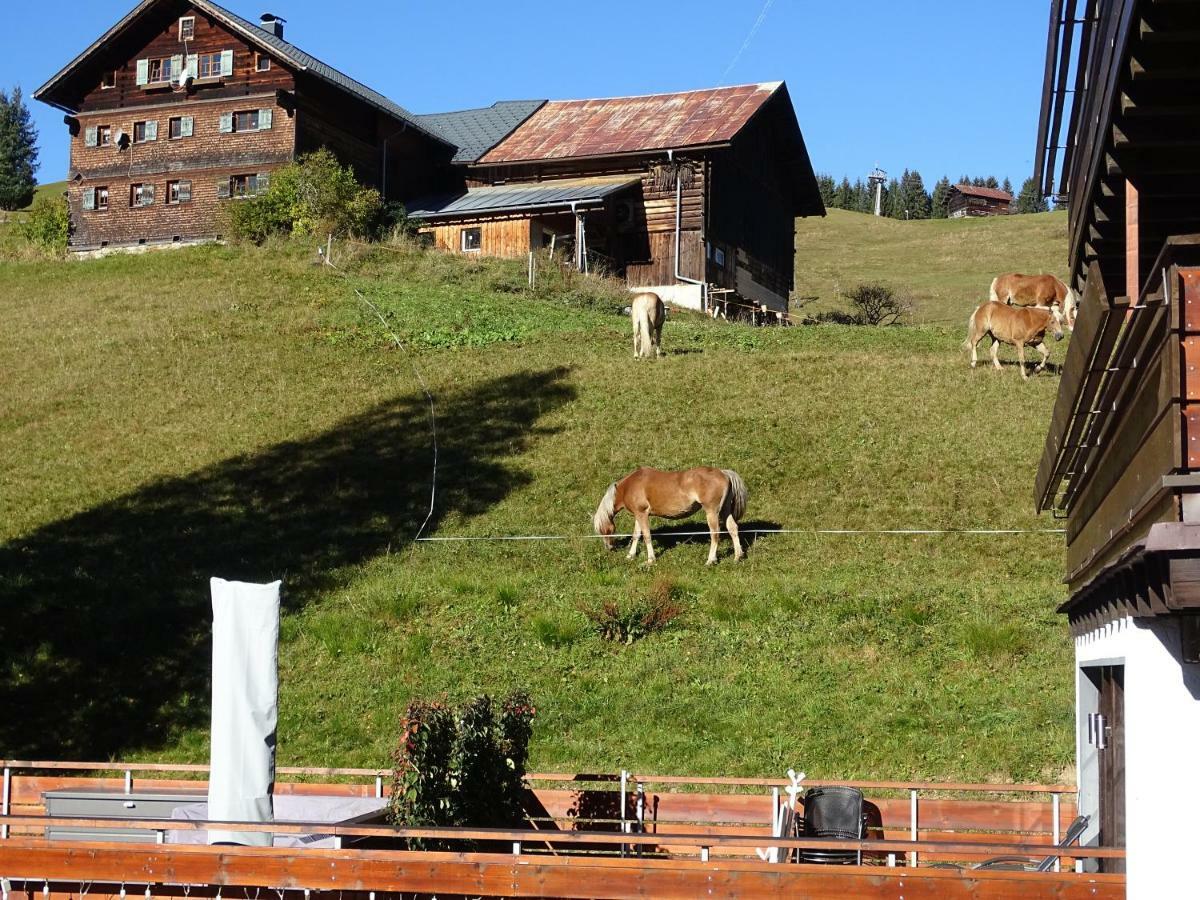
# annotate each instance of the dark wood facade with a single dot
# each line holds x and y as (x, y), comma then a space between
(184, 134)
(967, 201)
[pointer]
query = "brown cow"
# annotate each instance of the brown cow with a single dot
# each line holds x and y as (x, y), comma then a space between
(1036, 290)
(1014, 325)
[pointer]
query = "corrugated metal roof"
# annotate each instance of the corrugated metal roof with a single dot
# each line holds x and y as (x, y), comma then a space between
(606, 127)
(285, 51)
(476, 131)
(989, 193)
(518, 197)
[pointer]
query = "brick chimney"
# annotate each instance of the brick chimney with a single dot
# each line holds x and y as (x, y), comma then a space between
(273, 24)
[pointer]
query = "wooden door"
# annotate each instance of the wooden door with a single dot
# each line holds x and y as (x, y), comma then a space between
(1112, 762)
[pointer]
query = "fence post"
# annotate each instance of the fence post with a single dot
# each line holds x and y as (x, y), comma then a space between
(1056, 825)
(912, 856)
(128, 781)
(624, 830)
(378, 785)
(7, 799)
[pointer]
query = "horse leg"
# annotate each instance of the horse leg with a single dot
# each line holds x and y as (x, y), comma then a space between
(644, 527)
(1041, 348)
(633, 544)
(996, 354)
(637, 340)
(731, 526)
(714, 534)
(658, 351)
(1021, 357)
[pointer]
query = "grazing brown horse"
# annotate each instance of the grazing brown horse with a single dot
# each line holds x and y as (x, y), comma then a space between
(1036, 290)
(648, 313)
(647, 492)
(1016, 325)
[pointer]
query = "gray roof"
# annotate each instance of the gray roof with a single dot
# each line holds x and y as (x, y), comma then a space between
(285, 51)
(476, 131)
(520, 197)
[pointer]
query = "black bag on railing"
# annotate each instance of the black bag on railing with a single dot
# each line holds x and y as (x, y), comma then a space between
(835, 813)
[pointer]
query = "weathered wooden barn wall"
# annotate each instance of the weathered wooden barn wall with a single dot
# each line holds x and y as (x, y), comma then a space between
(502, 237)
(643, 244)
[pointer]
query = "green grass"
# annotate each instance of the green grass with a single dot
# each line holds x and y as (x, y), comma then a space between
(944, 265)
(238, 412)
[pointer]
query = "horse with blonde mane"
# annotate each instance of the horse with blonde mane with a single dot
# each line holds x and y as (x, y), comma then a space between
(1036, 290)
(648, 312)
(1016, 325)
(647, 492)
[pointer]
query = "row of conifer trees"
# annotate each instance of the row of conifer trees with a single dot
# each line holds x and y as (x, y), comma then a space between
(907, 198)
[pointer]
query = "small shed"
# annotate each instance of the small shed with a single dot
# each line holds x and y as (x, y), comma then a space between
(966, 200)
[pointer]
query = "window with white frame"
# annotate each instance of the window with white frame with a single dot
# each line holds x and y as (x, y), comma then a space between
(187, 28)
(161, 70)
(262, 62)
(180, 127)
(208, 65)
(108, 80)
(179, 192)
(144, 132)
(472, 239)
(141, 194)
(96, 198)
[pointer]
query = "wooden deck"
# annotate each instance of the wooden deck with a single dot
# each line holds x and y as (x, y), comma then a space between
(699, 837)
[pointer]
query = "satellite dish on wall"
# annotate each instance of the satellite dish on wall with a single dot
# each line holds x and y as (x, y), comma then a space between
(120, 139)
(184, 78)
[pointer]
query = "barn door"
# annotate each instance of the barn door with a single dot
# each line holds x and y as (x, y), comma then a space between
(1108, 734)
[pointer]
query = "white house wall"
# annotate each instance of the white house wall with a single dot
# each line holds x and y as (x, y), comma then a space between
(1162, 740)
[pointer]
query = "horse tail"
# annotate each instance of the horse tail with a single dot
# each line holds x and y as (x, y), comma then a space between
(737, 495)
(968, 343)
(602, 521)
(993, 294)
(641, 329)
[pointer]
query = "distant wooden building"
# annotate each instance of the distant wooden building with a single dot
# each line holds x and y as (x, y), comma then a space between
(1121, 464)
(182, 105)
(676, 192)
(968, 200)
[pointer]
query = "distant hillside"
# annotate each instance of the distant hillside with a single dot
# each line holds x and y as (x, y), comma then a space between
(945, 265)
(54, 187)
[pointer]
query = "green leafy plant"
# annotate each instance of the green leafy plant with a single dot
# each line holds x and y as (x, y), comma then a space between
(48, 224)
(313, 195)
(631, 620)
(464, 768)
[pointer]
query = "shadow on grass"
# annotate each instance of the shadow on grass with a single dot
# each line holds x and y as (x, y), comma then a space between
(106, 617)
(669, 536)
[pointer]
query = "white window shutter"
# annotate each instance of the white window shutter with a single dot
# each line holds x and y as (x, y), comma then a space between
(152, 131)
(186, 125)
(262, 182)
(176, 65)
(223, 189)
(226, 63)
(147, 194)
(193, 65)
(264, 119)
(89, 198)
(90, 136)
(226, 123)
(143, 71)
(185, 191)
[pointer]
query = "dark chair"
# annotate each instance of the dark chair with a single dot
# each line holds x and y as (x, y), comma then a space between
(835, 813)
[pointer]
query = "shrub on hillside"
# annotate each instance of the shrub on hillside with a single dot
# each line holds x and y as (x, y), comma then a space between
(462, 768)
(878, 304)
(631, 620)
(313, 195)
(48, 224)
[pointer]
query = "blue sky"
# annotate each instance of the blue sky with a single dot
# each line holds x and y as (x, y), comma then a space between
(943, 87)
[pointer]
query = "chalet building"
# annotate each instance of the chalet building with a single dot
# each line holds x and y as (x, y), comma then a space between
(1122, 457)
(967, 200)
(182, 105)
(680, 193)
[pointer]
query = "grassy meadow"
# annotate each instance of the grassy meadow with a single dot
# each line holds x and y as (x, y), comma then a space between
(944, 266)
(239, 412)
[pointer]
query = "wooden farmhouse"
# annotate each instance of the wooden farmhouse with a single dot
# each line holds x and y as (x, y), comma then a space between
(182, 106)
(678, 192)
(967, 200)
(1122, 457)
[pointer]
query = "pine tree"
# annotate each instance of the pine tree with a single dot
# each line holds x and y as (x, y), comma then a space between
(18, 152)
(866, 197)
(916, 198)
(940, 204)
(992, 183)
(895, 200)
(1007, 187)
(842, 197)
(978, 182)
(1031, 199)
(827, 186)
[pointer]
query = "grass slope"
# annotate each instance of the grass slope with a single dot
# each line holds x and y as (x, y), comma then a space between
(252, 421)
(944, 265)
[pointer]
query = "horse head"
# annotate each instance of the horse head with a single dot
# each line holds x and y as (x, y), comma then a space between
(1057, 319)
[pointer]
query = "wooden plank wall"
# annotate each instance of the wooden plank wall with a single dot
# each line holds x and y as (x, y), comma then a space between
(503, 237)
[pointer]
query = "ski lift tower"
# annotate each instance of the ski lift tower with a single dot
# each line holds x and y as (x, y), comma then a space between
(876, 180)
